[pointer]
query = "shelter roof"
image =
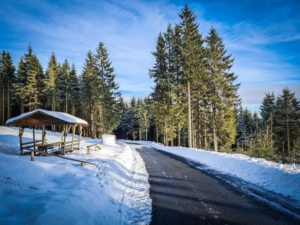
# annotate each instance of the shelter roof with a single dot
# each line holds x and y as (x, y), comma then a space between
(45, 117)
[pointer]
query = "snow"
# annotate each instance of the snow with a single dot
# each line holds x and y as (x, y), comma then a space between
(59, 115)
(108, 139)
(53, 190)
(280, 178)
(116, 190)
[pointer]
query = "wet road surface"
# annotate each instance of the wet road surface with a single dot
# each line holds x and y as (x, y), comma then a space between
(183, 194)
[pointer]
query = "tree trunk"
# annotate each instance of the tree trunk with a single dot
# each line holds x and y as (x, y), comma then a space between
(8, 102)
(92, 125)
(189, 118)
(215, 130)
(2, 107)
(288, 134)
(178, 137)
(156, 134)
(66, 100)
(22, 105)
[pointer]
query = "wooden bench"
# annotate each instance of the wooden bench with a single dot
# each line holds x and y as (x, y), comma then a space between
(96, 147)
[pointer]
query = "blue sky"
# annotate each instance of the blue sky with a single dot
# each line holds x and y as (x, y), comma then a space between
(262, 35)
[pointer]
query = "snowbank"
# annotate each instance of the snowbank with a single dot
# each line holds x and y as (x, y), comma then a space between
(108, 139)
(277, 177)
(53, 190)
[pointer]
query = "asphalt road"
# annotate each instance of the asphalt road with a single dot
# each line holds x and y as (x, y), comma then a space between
(183, 194)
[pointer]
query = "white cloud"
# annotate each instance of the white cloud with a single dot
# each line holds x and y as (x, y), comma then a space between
(253, 95)
(129, 30)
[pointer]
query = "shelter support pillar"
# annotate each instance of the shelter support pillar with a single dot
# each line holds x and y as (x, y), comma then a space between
(43, 135)
(80, 133)
(32, 156)
(73, 134)
(63, 133)
(21, 131)
(33, 137)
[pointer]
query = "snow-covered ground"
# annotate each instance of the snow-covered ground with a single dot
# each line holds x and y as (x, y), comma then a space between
(52, 190)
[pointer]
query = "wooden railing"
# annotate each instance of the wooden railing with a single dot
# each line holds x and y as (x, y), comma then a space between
(96, 147)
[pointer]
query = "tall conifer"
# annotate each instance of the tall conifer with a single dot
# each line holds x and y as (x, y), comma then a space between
(222, 90)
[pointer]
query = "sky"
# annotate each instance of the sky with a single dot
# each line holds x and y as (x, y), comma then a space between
(263, 37)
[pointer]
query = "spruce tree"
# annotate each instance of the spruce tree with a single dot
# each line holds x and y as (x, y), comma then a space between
(34, 86)
(64, 85)
(51, 83)
(191, 51)
(223, 96)
(286, 123)
(74, 91)
(89, 93)
(161, 95)
(7, 78)
(109, 94)
(267, 110)
(29, 82)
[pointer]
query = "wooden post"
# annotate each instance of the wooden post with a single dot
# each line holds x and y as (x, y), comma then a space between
(80, 133)
(73, 134)
(21, 130)
(67, 129)
(32, 156)
(88, 150)
(64, 140)
(33, 135)
(43, 135)
(62, 134)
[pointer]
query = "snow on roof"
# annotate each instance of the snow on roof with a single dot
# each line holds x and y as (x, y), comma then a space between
(67, 118)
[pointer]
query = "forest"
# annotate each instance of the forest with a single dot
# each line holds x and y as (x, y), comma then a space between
(193, 103)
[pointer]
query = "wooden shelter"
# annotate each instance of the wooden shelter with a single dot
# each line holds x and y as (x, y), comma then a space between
(43, 118)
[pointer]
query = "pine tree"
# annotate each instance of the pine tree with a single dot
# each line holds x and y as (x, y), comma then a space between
(51, 83)
(74, 91)
(179, 99)
(100, 95)
(191, 51)
(286, 123)
(29, 82)
(109, 93)
(143, 118)
(90, 92)
(267, 110)
(223, 96)
(35, 78)
(162, 95)
(64, 85)
(7, 78)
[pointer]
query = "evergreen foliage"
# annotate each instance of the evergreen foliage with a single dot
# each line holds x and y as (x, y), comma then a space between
(287, 122)
(222, 90)
(267, 110)
(194, 101)
(7, 78)
(194, 93)
(100, 95)
(51, 83)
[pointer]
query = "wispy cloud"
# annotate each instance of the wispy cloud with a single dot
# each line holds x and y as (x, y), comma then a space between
(261, 47)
